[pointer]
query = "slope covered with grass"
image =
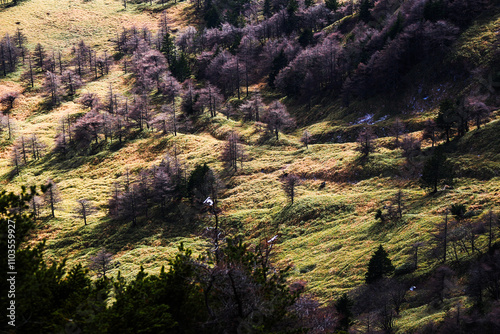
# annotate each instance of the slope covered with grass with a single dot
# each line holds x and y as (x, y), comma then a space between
(330, 231)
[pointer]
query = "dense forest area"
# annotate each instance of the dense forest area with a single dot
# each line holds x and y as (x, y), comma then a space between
(230, 166)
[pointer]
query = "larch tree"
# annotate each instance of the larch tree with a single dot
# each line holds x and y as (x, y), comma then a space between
(51, 196)
(101, 263)
(7, 100)
(71, 81)
(478, 110)
(430, 131)
(306, 138)
(397, 130)
(277, 118)
(84, 208)
(39, 56)
(252, 108)
(365, 141)
(289, 184)
(233, 152)
(16, 160)
(52, 87)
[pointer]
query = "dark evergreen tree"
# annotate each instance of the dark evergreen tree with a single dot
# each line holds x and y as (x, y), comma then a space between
(266, 10)
(278, 64)
(168, 47)
(306, 37)
(344, 307)
(434, 10)
(379, 266)
(364, 10)
(179, 67)
(332, 5)
(436, 169)
(197, 179)
(212, 16)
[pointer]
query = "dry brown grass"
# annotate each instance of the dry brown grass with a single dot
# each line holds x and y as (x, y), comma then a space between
(59, 24)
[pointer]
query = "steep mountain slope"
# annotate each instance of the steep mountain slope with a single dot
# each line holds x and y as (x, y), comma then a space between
(331, 230)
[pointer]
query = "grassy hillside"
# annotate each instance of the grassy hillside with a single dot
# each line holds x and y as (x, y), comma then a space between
(328, 234)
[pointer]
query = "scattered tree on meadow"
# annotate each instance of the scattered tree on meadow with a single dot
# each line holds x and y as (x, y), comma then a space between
(8, 55)
(397, 130)
(437, 169)
(89, 100)
(289, 183)
(366, 142)
(430, 131)
(305, 139)
(478, 110)
(446, 119)
(277, 118)
(7, 100)
(52, 87)
(28, 74)
(398, 201)
(379, 266)
(252, 108)
(39, 57)
(491, 219)
(441, 237)
(233, 152)
(23, 149)
(84, 208)
(410, 146)
(209, 98)
(71, 81)
(416, 246)
(51, 196)
(36, 205)
(101, 263)
(16, 160)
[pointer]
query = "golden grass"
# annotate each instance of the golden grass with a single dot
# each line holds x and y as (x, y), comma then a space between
(59, 24)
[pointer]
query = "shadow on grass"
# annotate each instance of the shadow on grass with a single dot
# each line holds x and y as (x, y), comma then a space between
(179, 221)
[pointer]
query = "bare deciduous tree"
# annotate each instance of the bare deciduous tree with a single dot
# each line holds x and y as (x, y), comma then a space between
(101, 263)
(84, 209)
(306, 137)
(397, 130)
(233, 152)
(277, 118)
(51, 196)
(52, 87)
(16, 161)
(430, 131)
(289, 183)
(411, 147)
(7, 100)
(365, 141)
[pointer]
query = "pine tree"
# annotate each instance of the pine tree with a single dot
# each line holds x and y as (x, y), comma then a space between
(332, 5)
(364, 11)
(344, 307)
(379, 266)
